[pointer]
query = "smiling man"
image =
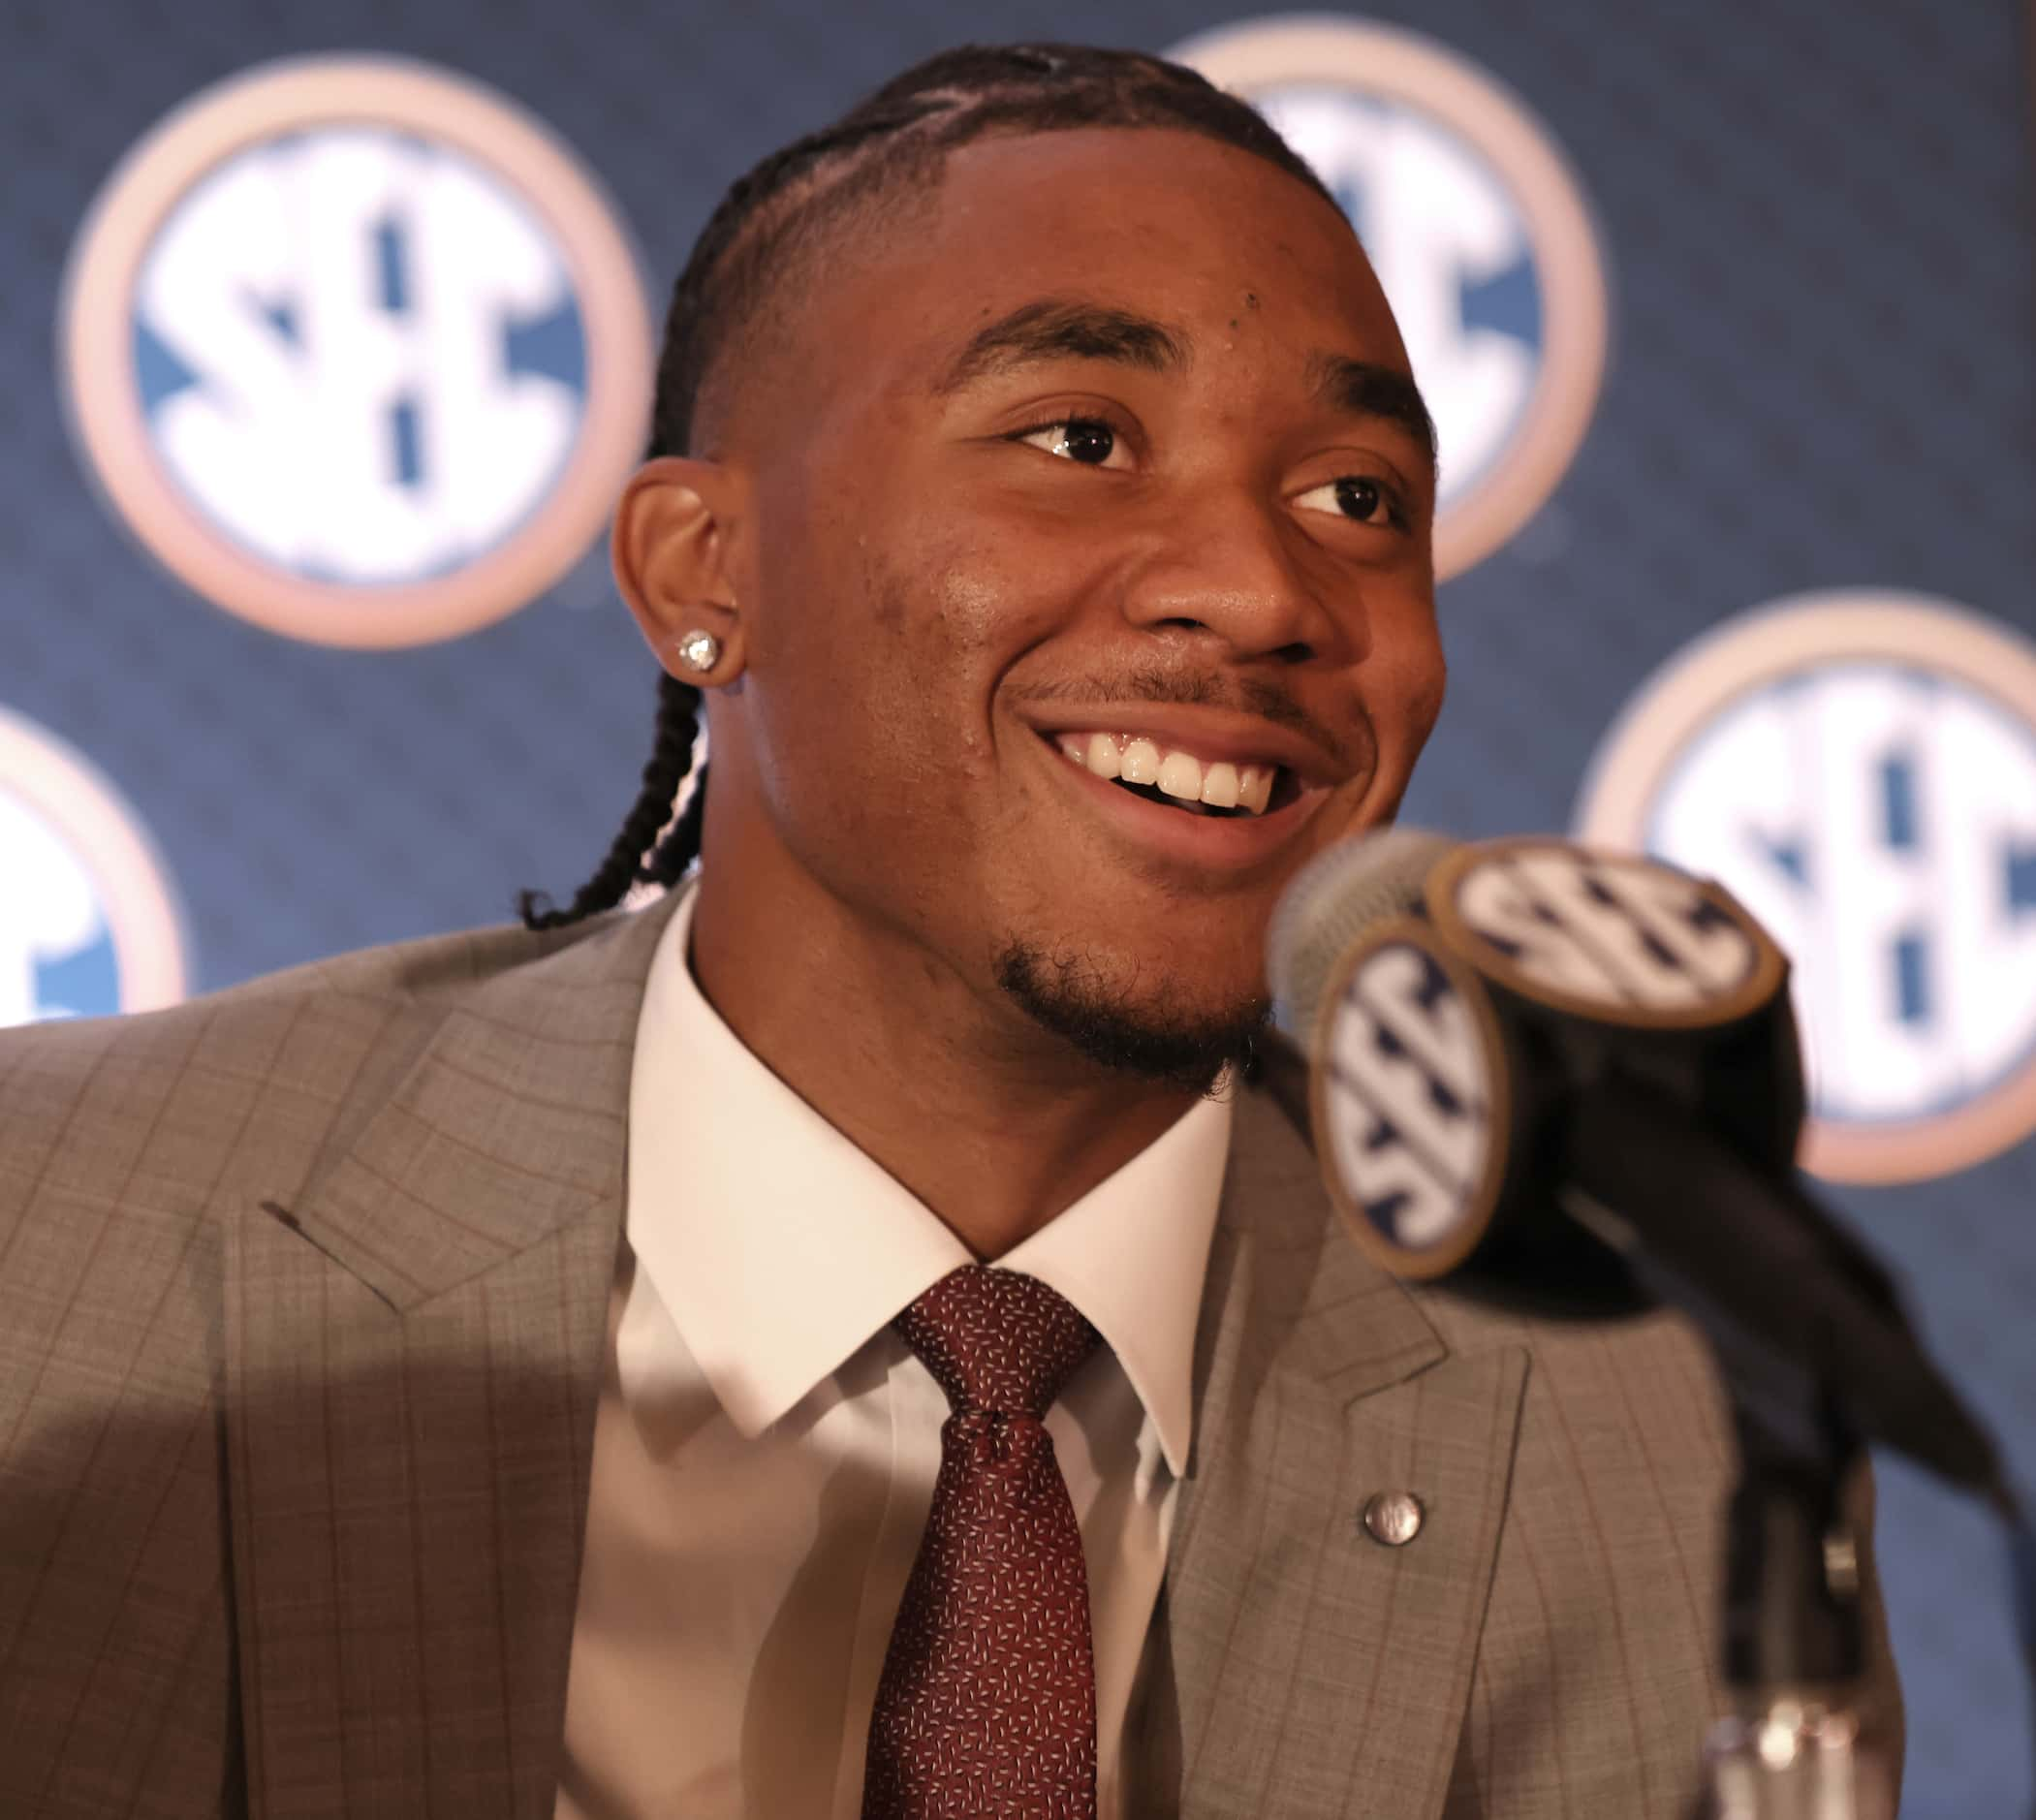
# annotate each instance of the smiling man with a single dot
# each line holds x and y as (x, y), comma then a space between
(1069, 573)
(847, 1338)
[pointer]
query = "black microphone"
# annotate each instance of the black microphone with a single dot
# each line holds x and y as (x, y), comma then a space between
(1573, 1075)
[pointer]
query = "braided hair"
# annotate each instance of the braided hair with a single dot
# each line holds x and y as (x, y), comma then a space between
(900, 136)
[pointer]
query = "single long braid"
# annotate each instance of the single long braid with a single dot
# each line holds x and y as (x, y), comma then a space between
(626, 864)
(902, 131)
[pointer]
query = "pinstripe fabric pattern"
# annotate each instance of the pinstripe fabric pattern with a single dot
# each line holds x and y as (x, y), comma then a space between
(338, 1244)
(1600, 1654)
(302, 1296)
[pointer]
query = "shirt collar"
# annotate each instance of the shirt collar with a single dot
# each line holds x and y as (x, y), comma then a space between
(780, 1248)
(1132, 1253)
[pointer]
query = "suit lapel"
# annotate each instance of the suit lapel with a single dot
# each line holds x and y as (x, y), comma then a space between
(1304, 1668)
(413, 1359)
(412, 1354)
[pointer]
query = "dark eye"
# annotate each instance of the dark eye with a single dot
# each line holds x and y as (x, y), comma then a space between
(1357, 497)
(1084, 439)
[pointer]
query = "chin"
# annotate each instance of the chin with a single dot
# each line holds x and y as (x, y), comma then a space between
(1137, 1021)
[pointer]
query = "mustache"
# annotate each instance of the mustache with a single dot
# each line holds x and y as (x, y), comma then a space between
(1353, 750)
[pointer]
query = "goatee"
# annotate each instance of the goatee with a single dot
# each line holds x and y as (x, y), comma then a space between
(1157, 1037)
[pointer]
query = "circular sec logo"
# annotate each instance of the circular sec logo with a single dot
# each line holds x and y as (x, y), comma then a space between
(1605, 935)
(357, 350)
(1409, 1101)
(1860, 771)
(88, 923)
(1480, 236)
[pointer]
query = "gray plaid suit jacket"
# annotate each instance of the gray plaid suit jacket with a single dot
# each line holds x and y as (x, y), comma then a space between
(303, 1291)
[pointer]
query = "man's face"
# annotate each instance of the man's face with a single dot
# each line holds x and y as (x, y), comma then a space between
(1106, 454)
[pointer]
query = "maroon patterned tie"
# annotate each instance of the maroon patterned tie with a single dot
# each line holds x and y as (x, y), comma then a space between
(988, 1703)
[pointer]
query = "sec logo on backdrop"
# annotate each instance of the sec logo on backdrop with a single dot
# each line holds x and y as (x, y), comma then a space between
(88, 921)
(1859, 770)
(357, 350)
(1479, 232)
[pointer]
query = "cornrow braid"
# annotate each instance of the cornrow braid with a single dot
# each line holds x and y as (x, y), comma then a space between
(638, 856)
(899, 136)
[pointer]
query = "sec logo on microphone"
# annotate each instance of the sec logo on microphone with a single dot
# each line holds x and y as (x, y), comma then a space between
(1860, 771)
(1409, 1101)
(1604, 935)
(357, 350)
(88, 922)
(1478, 229)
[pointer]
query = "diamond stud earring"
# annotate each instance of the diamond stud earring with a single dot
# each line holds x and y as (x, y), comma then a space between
(699, 651)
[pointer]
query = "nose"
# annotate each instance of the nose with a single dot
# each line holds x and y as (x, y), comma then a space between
(1226, 569)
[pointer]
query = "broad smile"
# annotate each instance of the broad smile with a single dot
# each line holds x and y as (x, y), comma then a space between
(1175, 776)
(1210, 799)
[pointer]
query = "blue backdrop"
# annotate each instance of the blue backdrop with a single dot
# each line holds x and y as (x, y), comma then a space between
(1814, 239)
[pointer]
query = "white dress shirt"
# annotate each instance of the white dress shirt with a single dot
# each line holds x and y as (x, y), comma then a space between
(765, 1447)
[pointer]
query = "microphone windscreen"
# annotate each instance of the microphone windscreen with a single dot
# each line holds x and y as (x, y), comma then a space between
(1341, 893)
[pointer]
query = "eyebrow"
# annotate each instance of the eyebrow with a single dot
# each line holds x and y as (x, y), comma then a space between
(1056, 329)
(1061, 328)
(1366, 389)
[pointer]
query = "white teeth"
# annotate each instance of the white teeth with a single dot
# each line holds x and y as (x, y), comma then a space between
(1181, 775)
(1219, 786)
(1216, 782)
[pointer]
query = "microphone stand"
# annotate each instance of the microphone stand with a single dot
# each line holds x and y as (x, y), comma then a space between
(1801, 1742)
(1790, 1329)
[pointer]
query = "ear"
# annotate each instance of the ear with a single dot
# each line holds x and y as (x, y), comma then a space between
(670, 549)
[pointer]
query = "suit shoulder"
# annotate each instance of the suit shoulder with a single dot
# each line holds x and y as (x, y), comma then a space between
(140, 1107)
(432, 970)
(429, 969)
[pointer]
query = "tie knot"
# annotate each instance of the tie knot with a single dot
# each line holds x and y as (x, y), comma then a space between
(997, 1339)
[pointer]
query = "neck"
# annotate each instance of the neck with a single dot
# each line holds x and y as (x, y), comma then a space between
(995, 1124)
